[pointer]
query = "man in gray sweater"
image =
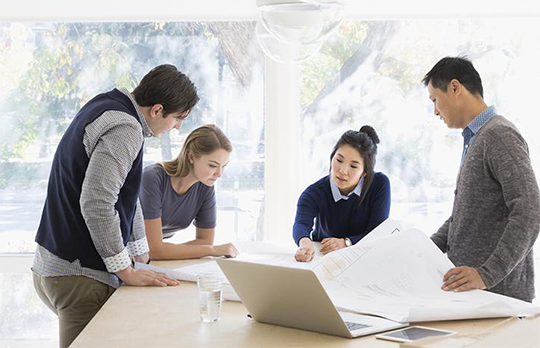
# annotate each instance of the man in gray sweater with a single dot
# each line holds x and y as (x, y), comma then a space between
(496, 214)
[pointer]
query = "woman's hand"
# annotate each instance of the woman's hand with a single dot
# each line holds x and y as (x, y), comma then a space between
(227, 250)
(306, 251)
(332, 244)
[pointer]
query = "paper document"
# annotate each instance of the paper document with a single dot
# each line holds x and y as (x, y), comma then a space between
(393, 273)
(277, 256)
(387, 228)
(190, 274)
(263, 255)
(400, 276)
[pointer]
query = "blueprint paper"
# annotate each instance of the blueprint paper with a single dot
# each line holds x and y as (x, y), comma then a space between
(392, 273)
(400, 277)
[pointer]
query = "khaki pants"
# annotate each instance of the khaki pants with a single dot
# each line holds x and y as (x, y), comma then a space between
(74, 299)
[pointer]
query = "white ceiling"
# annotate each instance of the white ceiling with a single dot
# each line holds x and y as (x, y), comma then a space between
(194, 10)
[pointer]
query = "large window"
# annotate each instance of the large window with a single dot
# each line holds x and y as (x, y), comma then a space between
(48, 71)
(369, 72)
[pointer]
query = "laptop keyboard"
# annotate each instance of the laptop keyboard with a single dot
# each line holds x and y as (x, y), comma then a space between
(355, 326)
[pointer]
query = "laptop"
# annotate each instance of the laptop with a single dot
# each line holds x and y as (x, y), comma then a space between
(294, 297)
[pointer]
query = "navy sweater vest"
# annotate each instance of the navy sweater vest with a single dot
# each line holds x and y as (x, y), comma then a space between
(62, 229)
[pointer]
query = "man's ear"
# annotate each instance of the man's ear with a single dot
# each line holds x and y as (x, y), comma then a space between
(156, 111)
(455, 87)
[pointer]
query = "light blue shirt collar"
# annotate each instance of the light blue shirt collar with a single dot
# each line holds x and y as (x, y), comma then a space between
(479, 121)
(469, 132)
(337, 195)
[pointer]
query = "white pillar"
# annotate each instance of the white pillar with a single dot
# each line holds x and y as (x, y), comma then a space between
(282, 113)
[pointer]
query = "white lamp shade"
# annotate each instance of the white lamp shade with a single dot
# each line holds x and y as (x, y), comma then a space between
(300, 22)
(284, 52)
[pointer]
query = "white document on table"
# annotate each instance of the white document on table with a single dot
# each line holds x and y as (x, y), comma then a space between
(190, 274)
(169, 272)
(391, 273)
(400, 276)
(283, 259)
(387, 228)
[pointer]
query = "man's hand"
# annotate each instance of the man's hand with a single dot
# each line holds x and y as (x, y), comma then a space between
(332, 244)
(144, 258)
(227, 250)
(306, 250)
(462, 278)
(139, 277)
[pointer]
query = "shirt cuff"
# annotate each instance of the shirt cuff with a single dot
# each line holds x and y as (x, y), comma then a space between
(138, 247)
(117, 262)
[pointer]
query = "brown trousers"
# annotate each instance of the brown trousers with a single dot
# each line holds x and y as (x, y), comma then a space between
(75, 300)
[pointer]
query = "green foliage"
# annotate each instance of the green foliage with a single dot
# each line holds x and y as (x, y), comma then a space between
(74, 61)
(323, 67)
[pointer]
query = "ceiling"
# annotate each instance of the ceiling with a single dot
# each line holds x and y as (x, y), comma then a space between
(215, 10)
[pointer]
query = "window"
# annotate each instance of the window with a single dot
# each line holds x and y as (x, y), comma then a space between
(371, 72)
(50, 70)
(368, 73)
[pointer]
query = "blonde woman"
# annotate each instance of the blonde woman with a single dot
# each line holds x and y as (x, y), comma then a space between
(179, 192)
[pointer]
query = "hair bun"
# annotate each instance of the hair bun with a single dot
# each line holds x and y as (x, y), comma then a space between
(371, 133)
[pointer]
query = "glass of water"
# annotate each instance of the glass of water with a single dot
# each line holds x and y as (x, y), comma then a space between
(210, 297)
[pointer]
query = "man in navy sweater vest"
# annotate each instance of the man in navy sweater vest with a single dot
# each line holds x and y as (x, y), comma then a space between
(92, 227)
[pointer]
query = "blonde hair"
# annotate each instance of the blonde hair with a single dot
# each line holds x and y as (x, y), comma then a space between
(201, 141)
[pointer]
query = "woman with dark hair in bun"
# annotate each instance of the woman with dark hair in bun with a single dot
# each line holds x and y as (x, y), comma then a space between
(344, 206)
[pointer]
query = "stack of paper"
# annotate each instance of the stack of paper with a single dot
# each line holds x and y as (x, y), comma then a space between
(400, 277)
(390, 273)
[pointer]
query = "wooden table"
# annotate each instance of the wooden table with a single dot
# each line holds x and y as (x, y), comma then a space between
(169, 317)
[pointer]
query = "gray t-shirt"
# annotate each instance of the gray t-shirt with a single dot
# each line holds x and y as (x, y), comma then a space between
(159, 199)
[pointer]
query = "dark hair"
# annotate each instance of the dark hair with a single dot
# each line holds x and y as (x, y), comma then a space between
(365, 142)
(169, 87)
(459, 68)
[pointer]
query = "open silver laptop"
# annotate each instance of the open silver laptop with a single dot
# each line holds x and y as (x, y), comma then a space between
(295, 298)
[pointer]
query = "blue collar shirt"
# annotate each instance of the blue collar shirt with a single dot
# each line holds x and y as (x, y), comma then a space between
(469, 132)
(337, 195)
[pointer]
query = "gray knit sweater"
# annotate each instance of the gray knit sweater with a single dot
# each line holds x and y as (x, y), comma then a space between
(496, 215)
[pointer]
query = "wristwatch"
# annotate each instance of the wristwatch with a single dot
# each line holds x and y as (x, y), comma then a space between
(348, 242)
